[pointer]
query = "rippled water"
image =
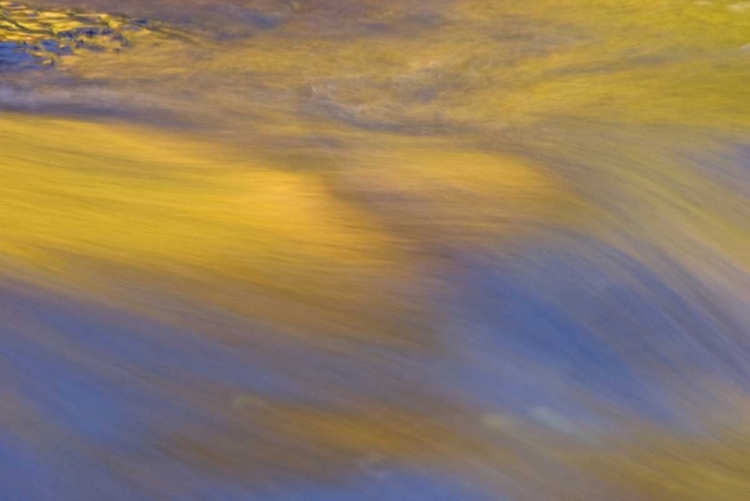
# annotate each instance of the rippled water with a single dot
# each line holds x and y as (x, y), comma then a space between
(374, 250)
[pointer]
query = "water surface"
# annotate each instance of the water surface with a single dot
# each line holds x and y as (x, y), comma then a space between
(374, 250)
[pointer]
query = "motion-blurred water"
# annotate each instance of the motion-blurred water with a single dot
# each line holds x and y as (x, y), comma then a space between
(374, 250)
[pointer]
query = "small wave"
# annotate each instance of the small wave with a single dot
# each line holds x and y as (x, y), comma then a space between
(37, 38)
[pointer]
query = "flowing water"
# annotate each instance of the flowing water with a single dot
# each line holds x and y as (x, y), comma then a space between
(374, 250)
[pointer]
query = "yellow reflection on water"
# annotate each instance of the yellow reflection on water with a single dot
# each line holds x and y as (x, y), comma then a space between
(325, 177)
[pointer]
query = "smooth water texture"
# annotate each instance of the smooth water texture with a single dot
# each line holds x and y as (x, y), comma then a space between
(374, 250)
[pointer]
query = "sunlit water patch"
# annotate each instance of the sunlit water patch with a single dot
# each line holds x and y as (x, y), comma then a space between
(374, 250)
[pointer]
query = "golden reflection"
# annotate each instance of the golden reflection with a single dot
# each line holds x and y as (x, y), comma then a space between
(310, 182)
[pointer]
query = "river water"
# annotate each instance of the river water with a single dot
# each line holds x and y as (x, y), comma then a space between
(374, 250)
